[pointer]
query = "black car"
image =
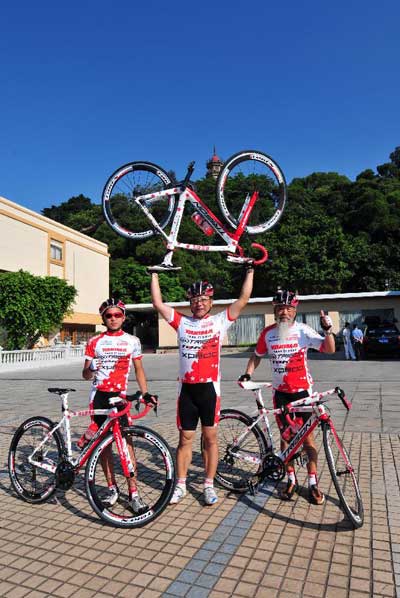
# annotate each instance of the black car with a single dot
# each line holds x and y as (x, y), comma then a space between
(382, 339)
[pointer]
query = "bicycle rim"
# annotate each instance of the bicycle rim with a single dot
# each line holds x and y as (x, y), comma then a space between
(343, 476)
(155, 479)
(235, 471)
(34, 484)
(118, 199)
(243, 174)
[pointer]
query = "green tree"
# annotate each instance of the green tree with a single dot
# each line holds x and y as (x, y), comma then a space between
(32, 306)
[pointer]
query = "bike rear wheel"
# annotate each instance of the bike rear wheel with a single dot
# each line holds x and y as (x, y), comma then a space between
(118, 199)
(243, 174)
(343, 476)
(32, 483)
(155, 478)
(234, 471)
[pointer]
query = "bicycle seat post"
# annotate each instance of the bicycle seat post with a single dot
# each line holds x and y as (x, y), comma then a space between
(189, 173)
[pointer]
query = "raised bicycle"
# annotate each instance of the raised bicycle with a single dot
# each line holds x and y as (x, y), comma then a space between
(247, 455)
(140, 199)
(41, 460)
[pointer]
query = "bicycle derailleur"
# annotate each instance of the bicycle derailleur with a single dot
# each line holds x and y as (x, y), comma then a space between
(273, 468)
(65, 475)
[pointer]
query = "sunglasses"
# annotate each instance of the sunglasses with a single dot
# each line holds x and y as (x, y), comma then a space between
(117, 314)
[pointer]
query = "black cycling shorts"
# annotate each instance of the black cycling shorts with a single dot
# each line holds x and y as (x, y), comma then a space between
(100, 401)
(283, 398)
(197, 401)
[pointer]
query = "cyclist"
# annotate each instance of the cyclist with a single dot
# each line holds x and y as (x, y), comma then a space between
(199, 339)
(108, 359)
(286, 343)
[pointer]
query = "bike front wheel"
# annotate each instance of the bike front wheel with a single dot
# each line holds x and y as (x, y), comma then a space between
(154, 478)
(120, 192)
(343, 476)
(33, 483)
(243, 174)
(238, 462)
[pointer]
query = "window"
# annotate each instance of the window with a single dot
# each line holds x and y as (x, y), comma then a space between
(246, 330)
(311, 319)
(56, 250)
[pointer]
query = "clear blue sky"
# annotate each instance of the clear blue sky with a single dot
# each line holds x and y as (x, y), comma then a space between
(88, 86)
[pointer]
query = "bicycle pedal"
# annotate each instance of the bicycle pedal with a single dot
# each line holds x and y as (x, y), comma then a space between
(162, 268)
(238, 260)
(252, 487)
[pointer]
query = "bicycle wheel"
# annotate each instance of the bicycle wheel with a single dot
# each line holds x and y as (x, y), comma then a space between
(118, 199)
(243, 174)
(32, 483)
(155, 478)
(235, 466)
(343, 476)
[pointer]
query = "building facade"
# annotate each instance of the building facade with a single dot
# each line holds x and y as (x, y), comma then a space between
(43, 247)
(258, 313)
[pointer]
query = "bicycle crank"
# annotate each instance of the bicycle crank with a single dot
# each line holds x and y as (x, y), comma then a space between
(273, 468)
(65, 475)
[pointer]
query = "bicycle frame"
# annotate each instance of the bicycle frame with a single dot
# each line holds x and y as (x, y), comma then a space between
(309, 404)
(112, 422)
(188, 195)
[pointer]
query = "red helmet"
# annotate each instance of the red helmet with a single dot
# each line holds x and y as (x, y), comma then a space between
(201, 287)
(285, 298)
(112, 303)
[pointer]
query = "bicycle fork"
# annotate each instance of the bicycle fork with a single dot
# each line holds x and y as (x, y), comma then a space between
(123, 451)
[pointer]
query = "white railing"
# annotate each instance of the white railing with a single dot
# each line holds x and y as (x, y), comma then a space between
(41, 356)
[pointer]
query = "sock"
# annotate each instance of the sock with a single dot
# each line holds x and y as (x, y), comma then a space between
(209, 483)
(291, 476)
(112, 486)
(133, 493)
(181, 482)
(312, 479)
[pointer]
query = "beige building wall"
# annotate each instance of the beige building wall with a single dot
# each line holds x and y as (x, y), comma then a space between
(337, 305)
(26, 240)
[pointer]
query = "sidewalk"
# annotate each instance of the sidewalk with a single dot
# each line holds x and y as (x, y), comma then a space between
(244, 546)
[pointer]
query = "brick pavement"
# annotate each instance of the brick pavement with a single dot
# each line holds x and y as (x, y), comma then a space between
(244, 546)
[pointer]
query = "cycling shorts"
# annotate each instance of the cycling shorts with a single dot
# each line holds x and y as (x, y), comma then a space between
(100, 401)
(197, 401)
(283, 398)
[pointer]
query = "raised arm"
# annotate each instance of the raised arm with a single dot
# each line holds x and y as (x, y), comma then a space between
(158, 303)
(328, 346)
(236, 307)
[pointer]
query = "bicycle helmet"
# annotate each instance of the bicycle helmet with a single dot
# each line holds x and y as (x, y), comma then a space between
(111, 302)
(201, 287)
(282, 297)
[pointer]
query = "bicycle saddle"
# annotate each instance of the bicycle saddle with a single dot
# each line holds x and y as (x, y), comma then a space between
(61, 391)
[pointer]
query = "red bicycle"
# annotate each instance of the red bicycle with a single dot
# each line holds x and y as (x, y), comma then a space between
(41, 460)
(140, 199)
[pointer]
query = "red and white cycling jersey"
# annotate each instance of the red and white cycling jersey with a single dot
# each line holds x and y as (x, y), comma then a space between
(288, 358)
(199, 341)
(115, 352)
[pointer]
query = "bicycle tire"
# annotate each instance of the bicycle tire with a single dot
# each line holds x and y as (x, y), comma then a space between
(33, 484)
(234, 474)
(119, 208)
(343, 476)
(241, 175)
(155, 478)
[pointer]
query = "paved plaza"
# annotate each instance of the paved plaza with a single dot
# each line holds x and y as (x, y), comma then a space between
(243, 546)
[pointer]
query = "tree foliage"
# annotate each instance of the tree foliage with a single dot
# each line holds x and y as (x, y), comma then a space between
(31, 306)
(336, 235)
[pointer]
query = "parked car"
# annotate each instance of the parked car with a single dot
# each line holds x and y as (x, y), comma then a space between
(382, 338)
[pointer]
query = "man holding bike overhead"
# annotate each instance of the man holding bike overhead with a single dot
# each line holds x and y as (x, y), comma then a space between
(286, 342)
(108, 359)
(200, 339)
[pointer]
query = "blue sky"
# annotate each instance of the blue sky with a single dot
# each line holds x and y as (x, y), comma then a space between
(88, 86)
